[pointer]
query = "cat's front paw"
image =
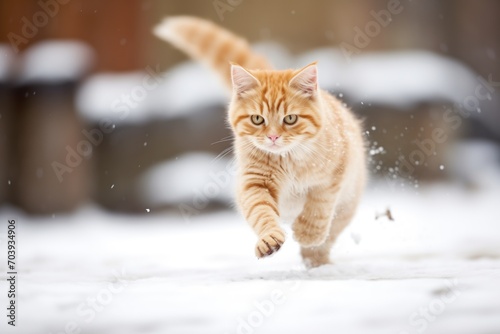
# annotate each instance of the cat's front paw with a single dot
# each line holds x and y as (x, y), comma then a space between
(269, 243)
(309, 235)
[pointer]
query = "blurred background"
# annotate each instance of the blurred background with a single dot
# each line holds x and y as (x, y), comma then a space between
(95, 109)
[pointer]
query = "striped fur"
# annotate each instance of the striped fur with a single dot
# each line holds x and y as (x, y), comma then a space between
(210, 44)
(311, 172)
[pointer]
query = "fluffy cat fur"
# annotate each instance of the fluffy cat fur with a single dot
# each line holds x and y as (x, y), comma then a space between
(300, 153)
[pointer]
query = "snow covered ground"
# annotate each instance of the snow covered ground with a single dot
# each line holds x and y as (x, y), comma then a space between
(434, 269)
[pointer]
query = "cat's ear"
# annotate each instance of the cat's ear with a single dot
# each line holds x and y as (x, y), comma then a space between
(306, 80)
(242, 80)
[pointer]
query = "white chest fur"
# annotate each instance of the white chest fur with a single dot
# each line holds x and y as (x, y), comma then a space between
(292, 200)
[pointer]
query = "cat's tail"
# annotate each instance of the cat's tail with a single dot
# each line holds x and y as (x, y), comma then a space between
(210, 44)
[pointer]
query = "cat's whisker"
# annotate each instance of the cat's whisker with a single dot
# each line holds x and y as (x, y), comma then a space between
(223, 140)
(221, 155)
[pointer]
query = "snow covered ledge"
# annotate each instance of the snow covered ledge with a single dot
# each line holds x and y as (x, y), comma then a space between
(56, 61)
(7, 63)
(399, 79)
(150, 94)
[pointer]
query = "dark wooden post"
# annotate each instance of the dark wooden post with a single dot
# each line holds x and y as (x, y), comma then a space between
(52, 154)
(6, 123)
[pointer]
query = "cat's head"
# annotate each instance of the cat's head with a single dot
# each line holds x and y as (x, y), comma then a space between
(275, 111)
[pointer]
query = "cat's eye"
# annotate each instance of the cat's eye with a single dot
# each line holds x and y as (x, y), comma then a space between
(257, 119)
(290, 119)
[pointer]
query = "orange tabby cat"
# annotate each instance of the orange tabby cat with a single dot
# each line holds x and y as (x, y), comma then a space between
(300, 153)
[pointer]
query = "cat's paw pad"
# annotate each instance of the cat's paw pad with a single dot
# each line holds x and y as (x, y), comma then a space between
(309, 235)
(269, 243)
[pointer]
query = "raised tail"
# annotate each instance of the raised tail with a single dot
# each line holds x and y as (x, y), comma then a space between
(210, 44)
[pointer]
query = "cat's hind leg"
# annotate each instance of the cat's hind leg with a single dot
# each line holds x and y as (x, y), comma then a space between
(320, 255)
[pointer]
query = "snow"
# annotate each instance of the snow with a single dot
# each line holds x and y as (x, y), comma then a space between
(6, 62)
(150, 94)
(101, 96)
(155, 273)
(406, 78)
(400, 79)
(479, 168)
(181, 179)
(188, 86)
(61, 60)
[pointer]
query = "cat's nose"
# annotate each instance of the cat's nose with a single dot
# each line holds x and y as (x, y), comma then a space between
(273, 137)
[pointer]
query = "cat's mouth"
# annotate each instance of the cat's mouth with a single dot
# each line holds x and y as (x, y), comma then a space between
(277, 147)
(273, 148)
